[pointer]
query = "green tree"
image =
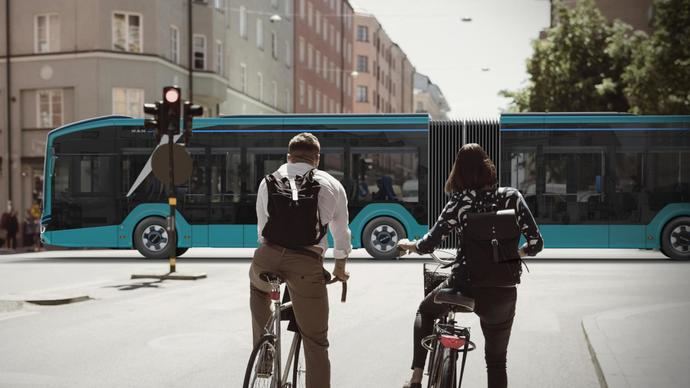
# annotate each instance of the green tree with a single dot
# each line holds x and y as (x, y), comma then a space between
(578, 64)
(658, 79)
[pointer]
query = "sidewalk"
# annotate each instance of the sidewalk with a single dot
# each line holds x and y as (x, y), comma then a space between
(647, 346)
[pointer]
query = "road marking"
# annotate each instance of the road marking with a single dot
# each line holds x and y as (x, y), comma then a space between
(16, 314)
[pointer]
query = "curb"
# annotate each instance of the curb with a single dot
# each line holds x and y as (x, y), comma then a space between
(592, 353)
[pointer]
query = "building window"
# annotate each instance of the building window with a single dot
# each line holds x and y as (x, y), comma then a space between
(318, 62)
(49, 108)
(274, 45)
(199, 52)
(275, 94)
(260, 34)
(362, 33)
(301, 9)
(362, 94)
(219, 57)
(318, 22)
(318, 100)
(332, 36)
(46, 33)
(310, 14)
(310, 97)
(288, 108)
(337, 41)
(310, 57)
(127, 32)
(338, 75)
(128, 102)
(219, 5)
(243, 77)
(324, 69)
(301, 92)
(260, 81)
(288, 57)
(174, 44)
(301, 49)
(325, 28)
(243, 22)
(362, 64)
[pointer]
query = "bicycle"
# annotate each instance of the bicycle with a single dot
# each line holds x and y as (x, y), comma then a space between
(264, 367)
(448, 339)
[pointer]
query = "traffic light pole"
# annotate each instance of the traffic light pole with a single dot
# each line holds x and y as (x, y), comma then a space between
(172, 201)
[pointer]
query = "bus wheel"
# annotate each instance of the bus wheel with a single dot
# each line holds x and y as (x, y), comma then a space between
(151, 238)
(675, 239)
(380, 237)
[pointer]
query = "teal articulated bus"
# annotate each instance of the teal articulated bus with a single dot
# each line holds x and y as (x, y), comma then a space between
(100, 190)
(591, 180)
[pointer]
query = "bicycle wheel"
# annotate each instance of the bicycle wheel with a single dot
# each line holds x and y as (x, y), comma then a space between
(299, 368)
(434, 366)
(448, 377)
(259, 372)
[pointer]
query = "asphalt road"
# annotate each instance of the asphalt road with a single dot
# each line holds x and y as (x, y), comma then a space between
(196, 333)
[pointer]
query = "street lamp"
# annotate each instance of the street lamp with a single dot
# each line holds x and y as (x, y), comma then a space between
(466, 19)
(275, 18)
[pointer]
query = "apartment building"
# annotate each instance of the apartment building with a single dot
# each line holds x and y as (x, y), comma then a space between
(637, 13)
(260, 59)
(70, 60)
(428, 98)
(384, 81)
(323, 76)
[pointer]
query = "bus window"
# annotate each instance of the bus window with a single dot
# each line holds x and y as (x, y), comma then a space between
(225, 185)
(627, 203)
(381, 173)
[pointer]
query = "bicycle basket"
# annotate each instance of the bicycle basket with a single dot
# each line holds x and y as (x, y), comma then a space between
(433, 277)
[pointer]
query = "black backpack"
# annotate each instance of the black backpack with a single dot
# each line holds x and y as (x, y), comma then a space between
(490, 246)
(293, 212)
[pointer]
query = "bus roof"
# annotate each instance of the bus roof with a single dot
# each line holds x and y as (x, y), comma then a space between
(588, 118)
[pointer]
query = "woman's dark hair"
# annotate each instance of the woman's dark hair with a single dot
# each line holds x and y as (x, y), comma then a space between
(472, 170)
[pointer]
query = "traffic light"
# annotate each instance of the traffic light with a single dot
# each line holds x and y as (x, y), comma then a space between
(154, 123)
(189, 112)
(171, 109)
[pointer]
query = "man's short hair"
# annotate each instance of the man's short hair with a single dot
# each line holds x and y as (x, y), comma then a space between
(305, 147)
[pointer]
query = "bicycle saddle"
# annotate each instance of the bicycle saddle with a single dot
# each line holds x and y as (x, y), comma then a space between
(270, 277)
(460, 302)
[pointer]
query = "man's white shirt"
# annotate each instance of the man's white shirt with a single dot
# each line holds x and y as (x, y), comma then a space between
(332, 205)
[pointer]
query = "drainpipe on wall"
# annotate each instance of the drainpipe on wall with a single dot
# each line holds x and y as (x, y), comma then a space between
(190, 52)
(8, 74)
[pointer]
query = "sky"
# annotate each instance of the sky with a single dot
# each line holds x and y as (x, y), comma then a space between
(453, 53)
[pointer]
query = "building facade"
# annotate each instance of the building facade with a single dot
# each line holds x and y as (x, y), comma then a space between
(384, 81)
(428, 98)
(323, 56)
(637, 13)
(70, 60)
(259, 37)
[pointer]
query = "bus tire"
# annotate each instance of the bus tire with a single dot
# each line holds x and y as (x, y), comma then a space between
(151, 238)
(180, 251)
(381, 236)
(675, 239)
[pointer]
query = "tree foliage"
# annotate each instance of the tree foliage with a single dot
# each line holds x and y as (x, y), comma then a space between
(658, 79)
(584, 63)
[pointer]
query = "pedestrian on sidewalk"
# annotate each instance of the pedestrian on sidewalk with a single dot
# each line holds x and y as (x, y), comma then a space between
(11, 225)
(295, 206)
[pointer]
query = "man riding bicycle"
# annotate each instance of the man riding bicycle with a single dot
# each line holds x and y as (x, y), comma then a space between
(295, 207)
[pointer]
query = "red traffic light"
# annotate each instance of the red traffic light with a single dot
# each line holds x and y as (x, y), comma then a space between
(172, 95)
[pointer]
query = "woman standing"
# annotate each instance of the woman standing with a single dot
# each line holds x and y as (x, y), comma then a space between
(472, 188)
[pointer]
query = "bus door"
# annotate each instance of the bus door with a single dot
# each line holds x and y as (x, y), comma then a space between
(574, 195)
(225, 229)
(261, 161)
(193, 196)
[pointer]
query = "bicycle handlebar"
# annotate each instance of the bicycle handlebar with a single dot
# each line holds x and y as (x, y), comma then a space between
(343, 293)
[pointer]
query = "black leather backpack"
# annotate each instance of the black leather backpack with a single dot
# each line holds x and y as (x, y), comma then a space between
(293, 211)
(490, 246)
